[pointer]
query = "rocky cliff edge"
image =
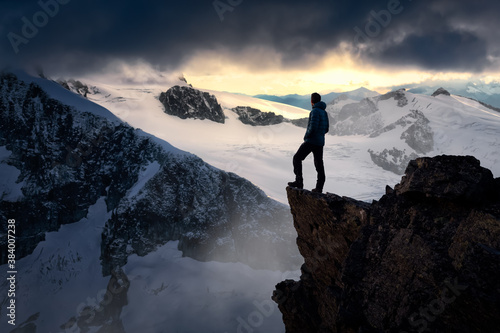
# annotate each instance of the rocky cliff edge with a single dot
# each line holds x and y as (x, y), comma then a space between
(425, 257)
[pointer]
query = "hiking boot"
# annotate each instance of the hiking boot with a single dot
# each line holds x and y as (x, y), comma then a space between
(296, 184)
(317, 190)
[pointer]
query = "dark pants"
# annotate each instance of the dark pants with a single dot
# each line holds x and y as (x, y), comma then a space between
(304, 150)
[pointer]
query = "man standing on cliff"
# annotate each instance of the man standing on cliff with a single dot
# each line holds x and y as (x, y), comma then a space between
(314, 141)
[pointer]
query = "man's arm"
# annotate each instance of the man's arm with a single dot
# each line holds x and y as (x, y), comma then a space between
(327, 122)
(312, 125)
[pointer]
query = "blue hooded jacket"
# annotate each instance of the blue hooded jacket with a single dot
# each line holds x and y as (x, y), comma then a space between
(318, 125)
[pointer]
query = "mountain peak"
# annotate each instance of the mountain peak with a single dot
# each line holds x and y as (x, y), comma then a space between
(441, 91)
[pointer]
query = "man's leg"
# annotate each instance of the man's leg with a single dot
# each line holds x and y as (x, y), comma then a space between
(301, 154)
(320, 167)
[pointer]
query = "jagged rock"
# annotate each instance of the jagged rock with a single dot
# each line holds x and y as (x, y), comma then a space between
(425, 257)
(467, 180)
(78, 87)
(398, 95)
(255, 117)
(393, 160)
(186, 102)
(419, 135)
(441, 91)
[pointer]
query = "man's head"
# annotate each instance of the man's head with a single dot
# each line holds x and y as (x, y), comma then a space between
(315, 98)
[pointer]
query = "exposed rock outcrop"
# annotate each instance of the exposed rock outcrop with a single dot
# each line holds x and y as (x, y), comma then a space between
(255, 117)
(78, 87)
(426, 257)
(393, 160)
(441, 91)
(398, 95)
(186, 102)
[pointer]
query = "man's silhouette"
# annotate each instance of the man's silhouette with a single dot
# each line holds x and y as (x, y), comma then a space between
(314, 141)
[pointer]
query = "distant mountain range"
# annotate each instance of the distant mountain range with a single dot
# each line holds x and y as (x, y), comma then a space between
(479, 90)
(304, 101)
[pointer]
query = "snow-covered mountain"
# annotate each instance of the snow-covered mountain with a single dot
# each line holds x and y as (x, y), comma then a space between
(403, 126)
(88, 191)
(477, 89)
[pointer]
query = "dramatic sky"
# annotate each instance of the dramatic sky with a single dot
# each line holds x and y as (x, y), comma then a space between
(254, 46)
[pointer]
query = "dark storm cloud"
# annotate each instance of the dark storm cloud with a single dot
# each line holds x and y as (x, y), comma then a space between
(79, 35)
(442, 35)
(454, 51)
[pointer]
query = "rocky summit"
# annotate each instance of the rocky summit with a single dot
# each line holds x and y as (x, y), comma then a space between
(441, 91)
(187, 102)
(424, 258)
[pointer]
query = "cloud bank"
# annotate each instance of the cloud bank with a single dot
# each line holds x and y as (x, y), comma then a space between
(81, 36)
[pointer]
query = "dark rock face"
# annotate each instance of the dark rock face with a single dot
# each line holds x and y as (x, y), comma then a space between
(441, 91)
(426, 257)
(255, 117)
(186, 102)
(393, 160)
